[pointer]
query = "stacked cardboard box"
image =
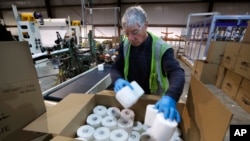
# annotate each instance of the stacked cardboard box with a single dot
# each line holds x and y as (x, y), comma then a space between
(236, 67)
(207, 70)
(237, 64)
(233, 73)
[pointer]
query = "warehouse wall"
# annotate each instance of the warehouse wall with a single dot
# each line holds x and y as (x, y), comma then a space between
(160, 15)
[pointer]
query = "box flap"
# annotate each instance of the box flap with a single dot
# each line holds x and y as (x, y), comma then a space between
(208, 114)
(62, 138)
(64, 116)
(21, 99)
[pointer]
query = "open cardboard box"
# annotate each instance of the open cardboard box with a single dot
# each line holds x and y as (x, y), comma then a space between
(204, 117)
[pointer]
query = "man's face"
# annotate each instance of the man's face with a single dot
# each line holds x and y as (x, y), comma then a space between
(136, 34)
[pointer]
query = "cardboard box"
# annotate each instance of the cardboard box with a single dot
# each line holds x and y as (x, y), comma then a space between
(216, 52)
(231, 83)
(205, 72)
(230, 55)
(243, 95)
(220, 76)
(246, 37)
(242, 65)
(21, 98)
(200, 121)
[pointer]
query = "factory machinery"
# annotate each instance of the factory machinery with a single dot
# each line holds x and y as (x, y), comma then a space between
(76, 74)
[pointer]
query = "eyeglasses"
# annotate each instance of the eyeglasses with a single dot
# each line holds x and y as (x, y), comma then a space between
(135, 32)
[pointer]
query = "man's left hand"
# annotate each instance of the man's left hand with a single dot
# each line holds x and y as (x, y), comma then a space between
(167, 105)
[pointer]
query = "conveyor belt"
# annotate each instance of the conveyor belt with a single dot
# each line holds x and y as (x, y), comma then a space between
(80, 85)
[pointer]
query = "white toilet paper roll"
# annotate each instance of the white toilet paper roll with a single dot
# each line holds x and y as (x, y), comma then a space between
(81, 139)
(100, 109)
(114, 111)
(128, 97)
(118, 135)
(174, 138)
(145, 127)
(176, 135)
(127, 114)
(127, 125)
(137, 89)
(150, 115)
(134, 136)
(177, 132)
(101, 134)
(109, 122)
(100, 67)
(85, 131)
(94, 120)
(145, 136)
(162, 129)
(137, 126)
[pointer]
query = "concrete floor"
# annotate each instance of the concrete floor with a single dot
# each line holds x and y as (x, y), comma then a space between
(48, 79)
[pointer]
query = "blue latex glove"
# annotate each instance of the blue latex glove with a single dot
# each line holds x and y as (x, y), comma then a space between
(167, 105)
(120, 83)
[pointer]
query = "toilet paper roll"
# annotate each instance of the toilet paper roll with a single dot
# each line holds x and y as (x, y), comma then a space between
(134, 136)
(127, 114)
(137, 89)
(114, 111)
(100, 67)
(162, 129)
(145, 127)
(145, 136)
(176, 135)
(177, 132)
(109, 122)
(127, 96)
(174, 138)
(150, 115)
(137, 126)
(119, 135)
(81, 139)
(127, 125)
(101, 134)
(94, 120)
(85, 131)
(100, 109)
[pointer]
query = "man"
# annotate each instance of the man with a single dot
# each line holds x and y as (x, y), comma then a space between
(137, 60)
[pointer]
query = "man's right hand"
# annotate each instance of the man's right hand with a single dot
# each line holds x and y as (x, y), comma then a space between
(120, 83)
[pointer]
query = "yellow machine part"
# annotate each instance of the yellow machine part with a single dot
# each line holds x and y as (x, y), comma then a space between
(75, 22)
(27, 17)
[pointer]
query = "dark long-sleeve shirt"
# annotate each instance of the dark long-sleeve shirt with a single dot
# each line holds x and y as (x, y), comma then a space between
(139, 68)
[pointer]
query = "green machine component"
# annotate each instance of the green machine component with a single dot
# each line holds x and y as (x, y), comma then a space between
(92, 45)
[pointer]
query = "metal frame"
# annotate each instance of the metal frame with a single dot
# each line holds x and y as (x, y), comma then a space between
(197, 48)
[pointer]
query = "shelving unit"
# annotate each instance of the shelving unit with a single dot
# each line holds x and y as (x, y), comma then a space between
(214, 28)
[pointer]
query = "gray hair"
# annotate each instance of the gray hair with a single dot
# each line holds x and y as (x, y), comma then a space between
(134, 15)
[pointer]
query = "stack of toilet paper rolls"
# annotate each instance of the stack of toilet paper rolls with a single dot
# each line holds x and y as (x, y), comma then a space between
(159, 129)
(127, 96)
(111, 124)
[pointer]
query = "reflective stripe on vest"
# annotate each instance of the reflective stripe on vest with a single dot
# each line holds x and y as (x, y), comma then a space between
(158, 83)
